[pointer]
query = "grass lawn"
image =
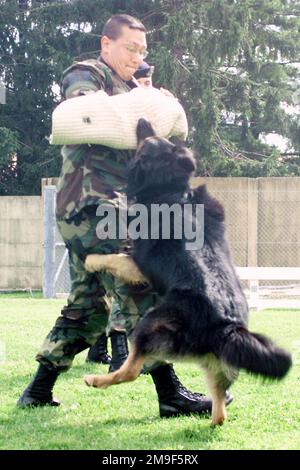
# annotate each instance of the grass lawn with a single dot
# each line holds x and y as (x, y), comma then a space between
(262, 416)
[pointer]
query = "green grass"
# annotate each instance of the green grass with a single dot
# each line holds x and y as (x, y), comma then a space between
(262, 416)
(21, 294)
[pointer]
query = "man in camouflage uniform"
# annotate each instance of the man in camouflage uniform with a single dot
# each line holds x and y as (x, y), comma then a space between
(91, 176)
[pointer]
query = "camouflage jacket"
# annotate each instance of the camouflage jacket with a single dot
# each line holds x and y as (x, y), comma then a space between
(90, 173)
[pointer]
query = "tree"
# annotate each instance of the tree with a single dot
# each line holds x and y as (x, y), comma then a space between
(38, 40)
(231, 63)
(9, 146)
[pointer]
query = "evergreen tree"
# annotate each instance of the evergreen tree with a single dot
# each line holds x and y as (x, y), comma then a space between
(38, 40)
(231, 63)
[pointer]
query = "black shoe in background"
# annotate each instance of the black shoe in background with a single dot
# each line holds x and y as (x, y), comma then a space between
(119, 350)
(98, 352)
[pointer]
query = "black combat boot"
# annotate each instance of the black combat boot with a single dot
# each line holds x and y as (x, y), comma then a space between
(39, 391)
(119, 350)
(174, 399)
(98, 352)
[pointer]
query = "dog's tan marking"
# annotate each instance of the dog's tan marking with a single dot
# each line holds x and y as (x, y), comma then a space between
(119, 265)
(214, 369)
(219, 414)
(129, 371)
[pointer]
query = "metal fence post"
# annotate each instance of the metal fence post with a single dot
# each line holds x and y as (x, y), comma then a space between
(49, 244)
(2, 93)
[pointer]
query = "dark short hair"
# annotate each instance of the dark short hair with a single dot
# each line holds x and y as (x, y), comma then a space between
(113, 27)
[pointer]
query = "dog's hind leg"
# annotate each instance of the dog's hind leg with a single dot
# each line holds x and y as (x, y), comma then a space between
(218, 383)
(219, 413)
(129, 371)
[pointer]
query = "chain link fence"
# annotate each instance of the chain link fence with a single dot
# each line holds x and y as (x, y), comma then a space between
(56, 276)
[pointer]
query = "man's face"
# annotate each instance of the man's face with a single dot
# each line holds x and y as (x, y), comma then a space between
(125, 54)
(145, 82)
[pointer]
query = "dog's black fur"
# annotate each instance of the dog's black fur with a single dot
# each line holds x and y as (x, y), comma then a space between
(203, 309)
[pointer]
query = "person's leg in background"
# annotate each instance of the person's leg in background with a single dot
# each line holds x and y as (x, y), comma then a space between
(116, 331)
(98, 353)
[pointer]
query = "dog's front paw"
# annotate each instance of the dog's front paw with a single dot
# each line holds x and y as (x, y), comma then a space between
(97, 381)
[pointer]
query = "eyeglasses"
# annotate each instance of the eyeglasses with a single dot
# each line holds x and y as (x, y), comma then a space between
(134, 50)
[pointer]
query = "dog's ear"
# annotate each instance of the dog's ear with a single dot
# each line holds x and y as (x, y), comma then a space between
(187, 164)
(186, 161)
(144, 130)
(185, 157)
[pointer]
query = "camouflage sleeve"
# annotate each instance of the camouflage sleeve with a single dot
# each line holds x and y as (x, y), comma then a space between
(78, 81)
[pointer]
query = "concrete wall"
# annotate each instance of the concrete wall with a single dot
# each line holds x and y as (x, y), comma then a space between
(263, 220)
(21, 239)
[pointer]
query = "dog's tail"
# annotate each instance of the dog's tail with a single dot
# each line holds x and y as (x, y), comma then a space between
(253, 352)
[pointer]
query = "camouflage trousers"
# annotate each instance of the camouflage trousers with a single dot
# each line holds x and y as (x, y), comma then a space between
(116, 319)
(85, 317)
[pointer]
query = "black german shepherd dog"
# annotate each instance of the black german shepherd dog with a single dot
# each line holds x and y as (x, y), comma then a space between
(203, 313)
